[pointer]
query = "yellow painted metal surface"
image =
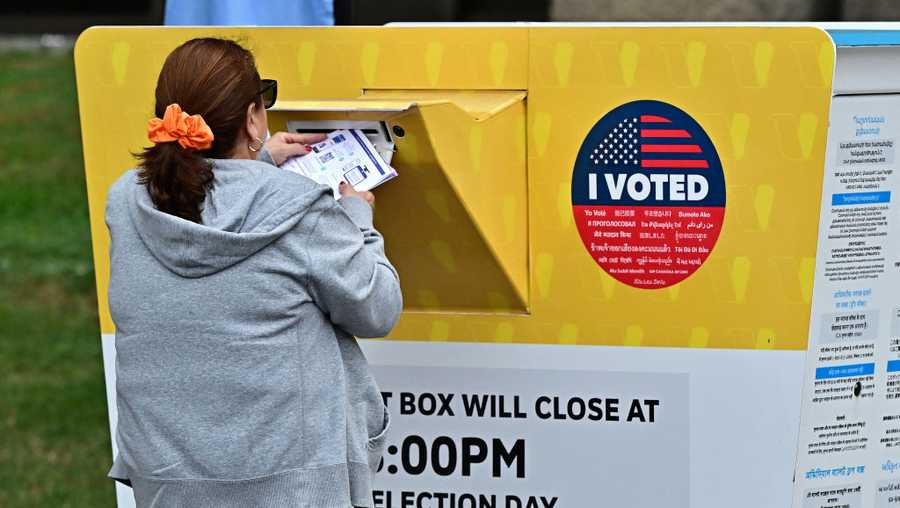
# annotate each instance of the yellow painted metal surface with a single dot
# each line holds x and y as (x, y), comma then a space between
(483, 194)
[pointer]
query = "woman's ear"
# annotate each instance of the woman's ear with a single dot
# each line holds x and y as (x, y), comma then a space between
(253, 130)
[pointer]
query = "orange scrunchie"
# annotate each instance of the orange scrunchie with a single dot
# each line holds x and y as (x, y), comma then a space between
(190, 131)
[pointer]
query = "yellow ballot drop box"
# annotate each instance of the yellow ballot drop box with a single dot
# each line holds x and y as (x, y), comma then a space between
(606, 238)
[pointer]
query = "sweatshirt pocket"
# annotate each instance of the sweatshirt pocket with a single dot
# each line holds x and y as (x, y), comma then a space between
(376, 443)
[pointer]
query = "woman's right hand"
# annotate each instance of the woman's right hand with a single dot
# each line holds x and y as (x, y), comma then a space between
(284, 145)
(347, 190)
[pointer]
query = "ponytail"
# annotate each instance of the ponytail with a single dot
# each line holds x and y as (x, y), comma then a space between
(177, 179)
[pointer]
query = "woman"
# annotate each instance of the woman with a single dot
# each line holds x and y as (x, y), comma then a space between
(236, 289)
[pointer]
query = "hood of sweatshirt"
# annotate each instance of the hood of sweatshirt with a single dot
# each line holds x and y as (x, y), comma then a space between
(250, 205)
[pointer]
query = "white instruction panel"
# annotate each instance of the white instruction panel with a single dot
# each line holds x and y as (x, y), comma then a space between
(848, 454)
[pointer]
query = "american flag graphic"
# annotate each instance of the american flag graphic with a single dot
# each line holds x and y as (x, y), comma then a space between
(649, 141)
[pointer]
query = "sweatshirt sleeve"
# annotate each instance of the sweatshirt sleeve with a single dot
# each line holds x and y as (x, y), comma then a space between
(264, 156)
(349, 277)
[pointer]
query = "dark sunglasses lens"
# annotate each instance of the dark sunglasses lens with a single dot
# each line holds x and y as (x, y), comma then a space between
(270, 93)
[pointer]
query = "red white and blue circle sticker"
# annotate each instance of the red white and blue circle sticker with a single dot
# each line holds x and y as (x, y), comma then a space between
(648, 194)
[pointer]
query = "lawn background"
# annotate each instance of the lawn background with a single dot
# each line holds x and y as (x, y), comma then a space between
(54, 443)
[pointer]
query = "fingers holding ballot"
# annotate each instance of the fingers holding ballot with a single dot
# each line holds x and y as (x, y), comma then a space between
(343, 156)
(347, 190)
(285, 145)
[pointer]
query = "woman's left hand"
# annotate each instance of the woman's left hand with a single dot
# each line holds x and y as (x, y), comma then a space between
(284, 145)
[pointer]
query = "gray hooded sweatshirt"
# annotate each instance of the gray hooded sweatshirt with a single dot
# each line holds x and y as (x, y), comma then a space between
(239, 380)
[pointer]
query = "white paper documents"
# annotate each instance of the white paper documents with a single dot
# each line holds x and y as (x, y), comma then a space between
(345, 155)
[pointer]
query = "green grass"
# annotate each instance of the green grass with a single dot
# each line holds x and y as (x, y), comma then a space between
(54, 443)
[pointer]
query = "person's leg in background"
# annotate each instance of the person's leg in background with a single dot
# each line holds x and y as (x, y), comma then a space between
(241, 12)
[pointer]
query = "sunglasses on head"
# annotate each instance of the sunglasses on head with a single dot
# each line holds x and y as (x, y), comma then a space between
(268, 91)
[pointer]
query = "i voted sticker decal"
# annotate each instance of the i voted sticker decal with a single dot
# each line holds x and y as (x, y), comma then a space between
(648, 194)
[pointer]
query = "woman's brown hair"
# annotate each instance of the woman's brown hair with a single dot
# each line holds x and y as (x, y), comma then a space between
(216, 79)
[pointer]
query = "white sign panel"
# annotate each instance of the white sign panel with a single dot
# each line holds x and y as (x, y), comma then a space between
(517, 438)
(849, 444)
